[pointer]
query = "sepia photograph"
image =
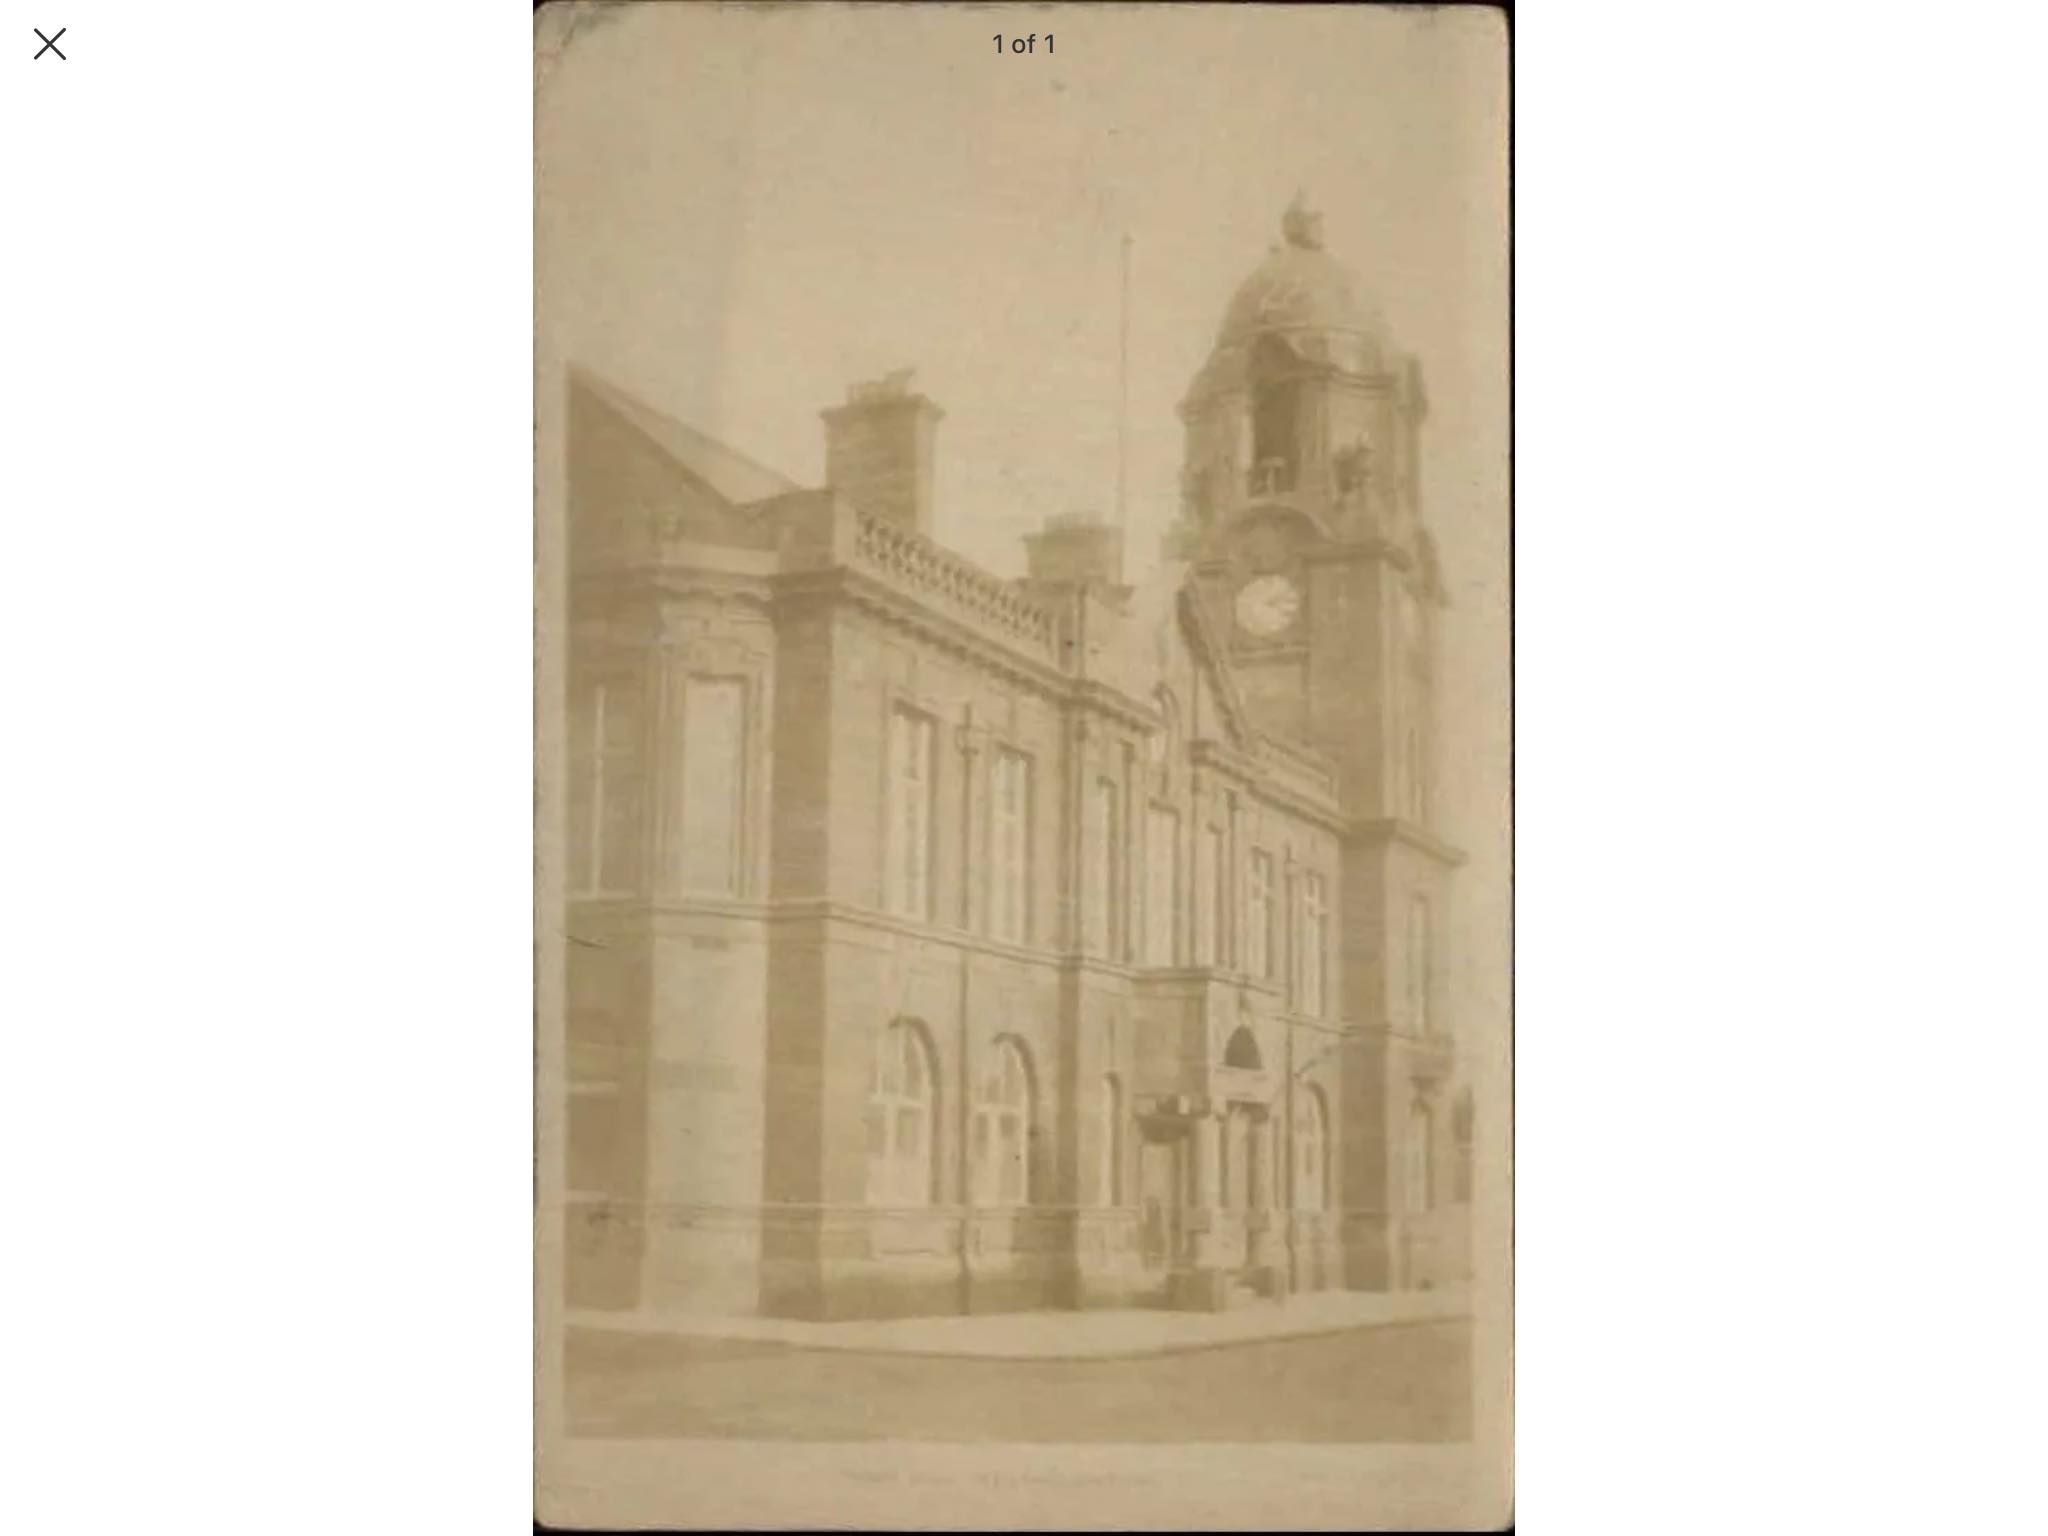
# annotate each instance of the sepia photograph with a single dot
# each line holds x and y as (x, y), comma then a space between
(1022, 749)
(1003, 765)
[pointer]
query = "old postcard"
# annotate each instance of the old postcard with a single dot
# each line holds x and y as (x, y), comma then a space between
(1022, 761)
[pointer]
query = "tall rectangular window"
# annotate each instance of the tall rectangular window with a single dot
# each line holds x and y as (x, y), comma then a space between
(1276, 412)
(1162, 883)
(1009, 865)
(1314, 933)
(912, 765)
(1287, 960)
(1111, 1183)
(1219, 896)
(1418, 965)
(594, 1105)
(1421, 1153)
(606, 830)
(1104, 862)
(1258, 914)
(1209, 912)
(1414, 774)
(714, 720)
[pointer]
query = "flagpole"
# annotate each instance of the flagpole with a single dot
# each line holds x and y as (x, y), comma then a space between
(1123, 383)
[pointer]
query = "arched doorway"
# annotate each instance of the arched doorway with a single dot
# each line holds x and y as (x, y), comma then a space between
(1003, 1119)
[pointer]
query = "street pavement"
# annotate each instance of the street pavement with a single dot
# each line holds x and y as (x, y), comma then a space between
(1400, 1382)
(1053, 1334)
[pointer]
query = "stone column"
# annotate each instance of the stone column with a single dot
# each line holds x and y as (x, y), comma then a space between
(1208, 1133)
(1259, 1194)
(1205, 1209)
(1207, 1147)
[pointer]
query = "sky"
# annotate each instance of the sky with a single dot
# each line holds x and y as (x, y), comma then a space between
(743, 212)
(740, 212)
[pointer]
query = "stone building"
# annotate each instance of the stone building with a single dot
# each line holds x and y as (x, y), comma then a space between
(939, 942)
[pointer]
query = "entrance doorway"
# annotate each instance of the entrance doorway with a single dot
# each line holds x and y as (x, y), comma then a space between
(1246, 1196)
(1162, 1183)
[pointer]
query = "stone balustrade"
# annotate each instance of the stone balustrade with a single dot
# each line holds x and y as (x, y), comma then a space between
(914, 563)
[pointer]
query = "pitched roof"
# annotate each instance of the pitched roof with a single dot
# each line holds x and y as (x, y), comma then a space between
(728, 472)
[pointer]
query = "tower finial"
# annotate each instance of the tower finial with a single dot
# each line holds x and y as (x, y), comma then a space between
(1301, 224)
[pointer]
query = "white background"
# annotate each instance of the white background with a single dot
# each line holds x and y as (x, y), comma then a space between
(264, 617)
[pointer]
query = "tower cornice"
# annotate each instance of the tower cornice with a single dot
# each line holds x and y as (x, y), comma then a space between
(1379, 831)
(1342, 551)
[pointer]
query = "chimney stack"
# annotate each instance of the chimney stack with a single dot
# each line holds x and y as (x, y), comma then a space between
(1077, 549)
(878, 450)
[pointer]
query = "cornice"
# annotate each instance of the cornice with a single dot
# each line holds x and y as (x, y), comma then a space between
(1306, 758)
(694, 581)
(1257, 780)
(1392, 829)
(1221, 376)
(843, 584)
(654, 916)
(853, 588)
(1092, 693)
(823, 909)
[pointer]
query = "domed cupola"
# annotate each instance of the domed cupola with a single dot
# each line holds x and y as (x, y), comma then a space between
(1303, 294)
(1305, 408)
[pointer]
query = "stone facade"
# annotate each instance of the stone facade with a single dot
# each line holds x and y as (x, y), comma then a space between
(945, 943)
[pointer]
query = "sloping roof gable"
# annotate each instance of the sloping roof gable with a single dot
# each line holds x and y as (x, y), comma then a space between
(726, 472)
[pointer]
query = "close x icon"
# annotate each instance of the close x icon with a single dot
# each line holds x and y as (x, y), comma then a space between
(49, 43)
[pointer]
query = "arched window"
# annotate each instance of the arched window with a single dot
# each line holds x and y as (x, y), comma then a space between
(1311, 1152)
(1112, 1132)
(1412, 774)
(1162, 884)
(1315, 943)
(1276, 417)
(1421, 1175)
(1002, 1128)
(900, 1119)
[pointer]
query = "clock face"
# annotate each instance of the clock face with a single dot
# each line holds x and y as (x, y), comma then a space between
(1268, 604)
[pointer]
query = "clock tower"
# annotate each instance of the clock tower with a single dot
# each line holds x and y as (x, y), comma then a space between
(1301, 518)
